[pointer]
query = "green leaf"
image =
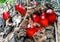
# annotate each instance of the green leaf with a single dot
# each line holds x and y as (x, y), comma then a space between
(2, 1)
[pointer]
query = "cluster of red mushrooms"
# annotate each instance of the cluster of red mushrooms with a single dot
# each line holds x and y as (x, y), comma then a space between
(44, 19)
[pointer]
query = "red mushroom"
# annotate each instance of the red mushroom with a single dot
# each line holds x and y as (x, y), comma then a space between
(31, 31)
(20, 9)
(51, 15)
(6, 15)
(43, 20)
(35, 18)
